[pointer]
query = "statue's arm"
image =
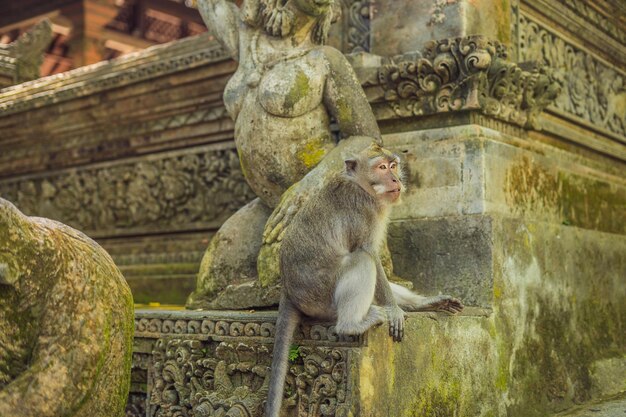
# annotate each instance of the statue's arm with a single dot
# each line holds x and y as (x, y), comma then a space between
(345, 100)
(67, 357)
(222, 19)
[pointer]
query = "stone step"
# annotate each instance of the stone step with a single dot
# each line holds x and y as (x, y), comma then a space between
(612, 407)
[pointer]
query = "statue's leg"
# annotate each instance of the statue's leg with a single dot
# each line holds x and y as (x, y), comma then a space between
(231, 258)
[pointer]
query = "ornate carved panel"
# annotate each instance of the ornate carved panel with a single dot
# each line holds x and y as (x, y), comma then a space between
(608, 22)
(471, 73)
(207, 326)
(173, 192)
(217, 364)
(592, 90)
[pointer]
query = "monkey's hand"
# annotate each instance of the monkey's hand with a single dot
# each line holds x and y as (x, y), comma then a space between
(291, 201)
(396, 316)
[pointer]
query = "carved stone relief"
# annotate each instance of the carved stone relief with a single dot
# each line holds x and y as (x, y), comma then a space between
(468, 73)
(170, 193)
(105, 139)
(358, 25)
(217, 364)
(437, 11)
(592, 90)
(205, 328)
(193, 378)
(21, 59)
(598, 20)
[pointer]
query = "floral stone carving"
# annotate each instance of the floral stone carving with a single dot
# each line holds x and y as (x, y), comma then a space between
(194, 378)
(471, 73)
(593, 91)
(173, 192)
(216, 363)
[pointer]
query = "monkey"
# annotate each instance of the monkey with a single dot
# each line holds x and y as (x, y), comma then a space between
(330, 264)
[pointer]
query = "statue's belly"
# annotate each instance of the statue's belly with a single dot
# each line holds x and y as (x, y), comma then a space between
(276, 152)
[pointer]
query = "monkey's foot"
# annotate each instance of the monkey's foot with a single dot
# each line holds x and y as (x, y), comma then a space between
(444, 303)
(396, 323)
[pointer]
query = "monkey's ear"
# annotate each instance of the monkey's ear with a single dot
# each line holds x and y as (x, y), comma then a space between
(350, 165)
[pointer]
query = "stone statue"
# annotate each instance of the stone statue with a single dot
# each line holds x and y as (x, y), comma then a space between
(285, 92)
(66, 322)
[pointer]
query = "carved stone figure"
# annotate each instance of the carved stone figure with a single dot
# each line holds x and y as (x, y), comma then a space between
(66, 322)
(20, 60)
(287, 89)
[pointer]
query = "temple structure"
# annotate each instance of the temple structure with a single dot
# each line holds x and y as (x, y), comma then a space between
(511, 118)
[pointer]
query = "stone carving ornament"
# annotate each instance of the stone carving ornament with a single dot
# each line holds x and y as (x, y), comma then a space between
(66, 322)
(191, 378)
(22, 59)
(470, 73)
(173, 192)
(593, 91)
(282, 97)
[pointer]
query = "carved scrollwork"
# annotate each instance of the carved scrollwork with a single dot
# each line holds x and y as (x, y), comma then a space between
(470, 73)
(592, 90)
(321, 381)
(223, 329)
(197, 379)
(168, 193)
(136, 405)
(358, 26)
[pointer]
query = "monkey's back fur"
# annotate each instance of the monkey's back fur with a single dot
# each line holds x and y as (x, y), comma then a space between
(332, 225)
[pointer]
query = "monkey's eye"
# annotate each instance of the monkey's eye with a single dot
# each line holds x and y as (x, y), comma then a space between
(383, 167)
(393, 165)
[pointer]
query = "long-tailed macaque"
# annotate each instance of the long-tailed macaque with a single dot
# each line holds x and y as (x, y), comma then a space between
(330, 264)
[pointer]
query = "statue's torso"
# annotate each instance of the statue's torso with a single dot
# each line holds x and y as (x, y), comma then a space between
(282, 128)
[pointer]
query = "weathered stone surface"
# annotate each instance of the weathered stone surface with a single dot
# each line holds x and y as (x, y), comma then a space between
(402, 27)
(551, 339)
(65, 322)
(142, 131)
(609, 408)
(448, 255)
(593, 91)
(558, 294)
(20, 60)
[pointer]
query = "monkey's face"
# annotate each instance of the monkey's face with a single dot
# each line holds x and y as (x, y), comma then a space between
(377, 170)
(384, 177)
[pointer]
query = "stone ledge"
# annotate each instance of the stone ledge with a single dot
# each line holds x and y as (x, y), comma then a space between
(159, 60)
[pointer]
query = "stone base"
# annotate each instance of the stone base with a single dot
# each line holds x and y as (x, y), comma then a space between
(198, 363)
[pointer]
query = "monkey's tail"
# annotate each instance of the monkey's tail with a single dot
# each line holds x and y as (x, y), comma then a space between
(288, 318)
(406, 298)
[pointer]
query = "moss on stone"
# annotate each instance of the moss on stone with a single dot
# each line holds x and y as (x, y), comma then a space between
(299, 90)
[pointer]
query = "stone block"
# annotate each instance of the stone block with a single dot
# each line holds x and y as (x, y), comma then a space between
(449, 255)
(402, 27)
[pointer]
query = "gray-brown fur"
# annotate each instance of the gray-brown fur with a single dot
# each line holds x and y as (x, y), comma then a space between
(330, 263)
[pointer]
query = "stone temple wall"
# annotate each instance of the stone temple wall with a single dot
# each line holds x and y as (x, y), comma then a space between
(136, 152)
(516, 203)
